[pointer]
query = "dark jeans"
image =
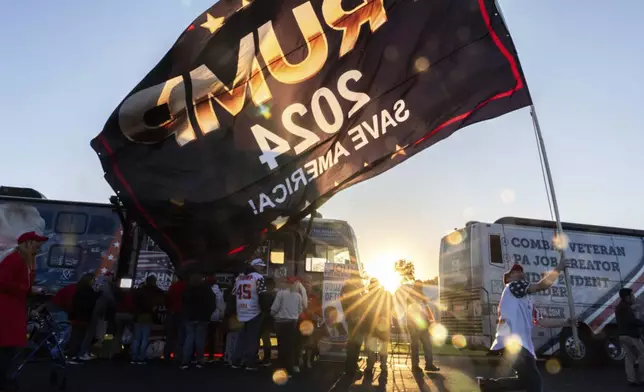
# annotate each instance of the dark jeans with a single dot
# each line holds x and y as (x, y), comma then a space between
(248, 343)
(195, 341)
(528, 378)
(141, 341)
(267, 346)
(418, 337)
(97, 317)
(122, 321)
(6, 357)
(354, 345)
(267, 328)
(299, 343)
(286, 343)
(211, 339)
(79, 331)
(175, 336)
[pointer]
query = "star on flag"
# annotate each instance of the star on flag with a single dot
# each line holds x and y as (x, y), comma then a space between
(213, 24)
(104, 271)
(245, 3)
(398, 151)
(279, 222)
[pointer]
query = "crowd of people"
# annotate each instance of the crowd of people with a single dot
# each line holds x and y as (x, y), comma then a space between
(196, 317)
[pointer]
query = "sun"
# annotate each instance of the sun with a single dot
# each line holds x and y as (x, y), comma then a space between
(383, 270)
(390, 282)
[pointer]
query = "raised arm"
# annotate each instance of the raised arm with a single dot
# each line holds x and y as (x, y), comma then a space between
(547, 281)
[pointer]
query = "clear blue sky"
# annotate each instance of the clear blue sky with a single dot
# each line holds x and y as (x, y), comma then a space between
(66, 64)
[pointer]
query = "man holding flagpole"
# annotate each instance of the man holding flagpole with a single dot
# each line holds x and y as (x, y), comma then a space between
(517, 316)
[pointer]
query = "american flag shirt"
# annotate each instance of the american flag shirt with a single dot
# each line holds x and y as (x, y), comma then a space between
(247, 289)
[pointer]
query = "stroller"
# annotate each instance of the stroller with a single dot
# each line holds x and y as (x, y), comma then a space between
(45, 333)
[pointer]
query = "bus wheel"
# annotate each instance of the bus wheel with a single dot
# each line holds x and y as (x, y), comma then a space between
(571, 357)
(612, 350)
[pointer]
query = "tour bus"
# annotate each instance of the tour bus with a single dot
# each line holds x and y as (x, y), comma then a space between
(87, 237)
(601, 260)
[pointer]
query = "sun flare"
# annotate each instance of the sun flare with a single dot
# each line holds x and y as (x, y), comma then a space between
(383, 270)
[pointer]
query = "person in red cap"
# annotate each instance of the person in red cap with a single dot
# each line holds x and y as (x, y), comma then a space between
(17, 271)
(517, 315)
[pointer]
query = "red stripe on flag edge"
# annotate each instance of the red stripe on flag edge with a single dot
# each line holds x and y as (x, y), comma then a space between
(497, 42)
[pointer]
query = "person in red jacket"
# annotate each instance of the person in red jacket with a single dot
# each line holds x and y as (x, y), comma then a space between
(64, 298)
(17, 272)
(174, 321)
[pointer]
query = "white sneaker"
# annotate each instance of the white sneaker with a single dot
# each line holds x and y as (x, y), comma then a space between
(296, 369)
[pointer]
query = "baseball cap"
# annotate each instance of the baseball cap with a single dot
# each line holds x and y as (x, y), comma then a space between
(291, 279)
(31, 236)
(258, 263)
(514, 268)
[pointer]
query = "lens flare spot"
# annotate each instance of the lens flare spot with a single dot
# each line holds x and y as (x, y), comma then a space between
(513, 344)
(459, 341)
(414, 313)
(280, 377)
(420, 322)
(391, 53)
(438, 333)
(553, 366)
(421, 64)
(560, 241)
(454, 238)
(306, 328)
(264, 111)
(508, 196)
(469, 213)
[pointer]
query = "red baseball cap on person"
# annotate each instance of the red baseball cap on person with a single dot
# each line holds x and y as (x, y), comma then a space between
(291, 279)
(31, 236)
(514, 268)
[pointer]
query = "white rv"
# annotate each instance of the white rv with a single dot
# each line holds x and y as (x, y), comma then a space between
(601, 260)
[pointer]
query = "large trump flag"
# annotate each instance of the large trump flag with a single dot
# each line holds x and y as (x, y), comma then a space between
(262, 110)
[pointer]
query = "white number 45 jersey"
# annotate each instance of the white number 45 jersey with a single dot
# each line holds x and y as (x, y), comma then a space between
(247, 290)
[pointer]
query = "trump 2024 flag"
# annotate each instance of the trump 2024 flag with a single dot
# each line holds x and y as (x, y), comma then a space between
(264, 109)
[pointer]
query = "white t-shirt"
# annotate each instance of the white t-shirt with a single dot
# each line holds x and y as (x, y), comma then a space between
(287, 305)
(247, 290)
(517, 315)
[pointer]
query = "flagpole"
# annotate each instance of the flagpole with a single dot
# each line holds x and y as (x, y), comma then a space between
(555, 207)
(560, 233)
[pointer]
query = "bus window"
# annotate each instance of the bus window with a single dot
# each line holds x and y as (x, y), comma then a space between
(48, 216)
(61, 256)
(277, 252)
(318, 255)
(496, 254)
(102, 225)
(71, 223)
